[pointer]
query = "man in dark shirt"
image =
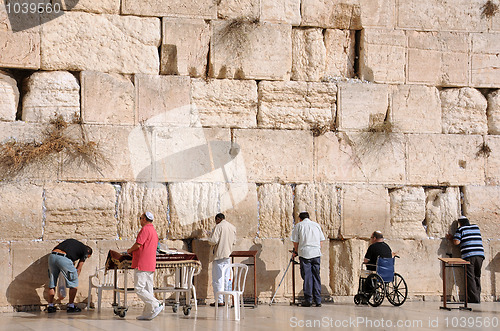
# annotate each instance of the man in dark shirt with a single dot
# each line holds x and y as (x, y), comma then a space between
(377, 248)
(62, 260)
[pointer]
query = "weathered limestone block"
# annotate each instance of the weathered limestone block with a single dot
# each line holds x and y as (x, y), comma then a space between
(360, 157)
(227, 9)
(464, 111)
(335, 14)
(308, 54)
(415, 109)
(485, 59)
(49, 94)
(224, 102)
(378, 13)
(438, 58)
(135, 199)
(296, 105)
(244, 49)
(9, 97)
(492, 160)
(19, 39)
(125, 155)
(117, 90)
(494, 267)
(21, 213)
(206, 9)
(74, 41)
(444, 159)
(362, 106)
(289, 158)
(163, 100)
(493, 112)
(437, 15)
(275, 210)
(442, 209)
(80, 211)
(365, 208)
(346, 259)
(184, 47)
(92, 6)
(280, 11)
(5, 272)
(383, 56)
(240, 205)
(407, 213)
(322, 201)
(340, 53)
(192, 208)
(481, 207)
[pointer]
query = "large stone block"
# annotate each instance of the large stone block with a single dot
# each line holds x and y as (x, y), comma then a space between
(346, 258)
(296, 105)
(135, 199)
(206, 9)
(163, 100)
(362, 106)
(340, 53)
(80, 211)
(92, 6)
(276, 161)
(378, 13)
(494, 268)
(438, 58)
(224, 102)
(227, 9)
(444, 159)
(481, 205)
(415, 109)
(19, 39)
(308, 54)
(437, 15)
(5, 272)
(492, 159)
(123, 154)
(493, 112)
(365, 208)
(117, 90)
(49, 94)
(9, 97)
(245, 49)
(282, 11)
(383, 56)
(75, 41)
(241, 208)
(464, 111)
(335, 14)
(407, 213)
(275, 210)
(322, 201)
(184, 47)
(485, 60)
(21, 211)
(442, 209)
(360, 157)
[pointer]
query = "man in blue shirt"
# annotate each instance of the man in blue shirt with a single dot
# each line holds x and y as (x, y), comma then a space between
(471, 248)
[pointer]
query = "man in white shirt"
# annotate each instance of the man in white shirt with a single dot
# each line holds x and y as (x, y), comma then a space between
(307, 237)
(223, 238)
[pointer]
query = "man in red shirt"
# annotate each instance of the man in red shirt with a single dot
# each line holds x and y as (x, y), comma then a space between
(144, 262)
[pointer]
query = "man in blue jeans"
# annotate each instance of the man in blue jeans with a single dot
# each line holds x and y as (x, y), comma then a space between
(61, 260)
(307, 237)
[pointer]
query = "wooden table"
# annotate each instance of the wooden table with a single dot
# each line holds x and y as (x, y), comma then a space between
(250, 254)
(454, 262)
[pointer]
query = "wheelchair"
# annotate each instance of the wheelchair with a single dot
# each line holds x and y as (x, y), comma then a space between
(384, 282)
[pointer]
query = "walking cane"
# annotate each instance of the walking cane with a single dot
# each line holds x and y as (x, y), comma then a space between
(281, 281)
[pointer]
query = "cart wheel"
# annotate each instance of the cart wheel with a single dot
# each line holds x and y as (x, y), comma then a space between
(116, 311)
(123, 313)
(397, 291)
(187, 310)
(376, 288)
(175, 307)
(357, 299)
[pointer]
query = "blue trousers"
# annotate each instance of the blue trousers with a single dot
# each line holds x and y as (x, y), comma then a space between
(309, 271)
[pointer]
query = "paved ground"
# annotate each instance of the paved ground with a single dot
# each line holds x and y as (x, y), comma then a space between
(340, 316)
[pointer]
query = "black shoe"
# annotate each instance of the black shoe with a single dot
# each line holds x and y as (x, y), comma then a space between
(306, 304)
(51, 309)
(220, 304)
(74, 309)
(317, 304)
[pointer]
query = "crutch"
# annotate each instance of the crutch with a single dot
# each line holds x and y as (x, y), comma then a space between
(281, 281)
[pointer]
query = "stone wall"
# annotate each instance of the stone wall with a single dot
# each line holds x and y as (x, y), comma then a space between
(370, 114)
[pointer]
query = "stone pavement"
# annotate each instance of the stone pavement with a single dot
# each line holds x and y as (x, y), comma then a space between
(416, 315)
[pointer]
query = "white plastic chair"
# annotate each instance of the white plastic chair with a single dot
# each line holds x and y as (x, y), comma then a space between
(237, 276)
(183, 284)
(102, 280)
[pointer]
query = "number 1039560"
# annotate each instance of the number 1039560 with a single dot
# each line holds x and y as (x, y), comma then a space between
(32, 8)
(471, 322)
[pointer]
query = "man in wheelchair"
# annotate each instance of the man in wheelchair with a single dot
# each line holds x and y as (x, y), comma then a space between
(377, 248)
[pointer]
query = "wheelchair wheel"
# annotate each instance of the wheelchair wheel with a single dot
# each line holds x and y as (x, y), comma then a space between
(357, 299)
(376, 288)
(397, 291)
